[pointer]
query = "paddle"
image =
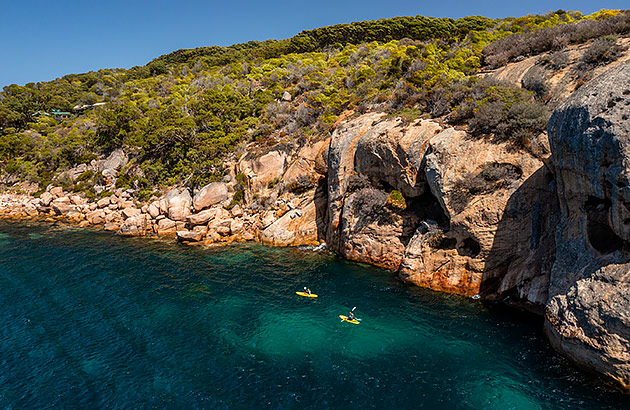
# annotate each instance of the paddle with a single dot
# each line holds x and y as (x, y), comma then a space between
(355, 317)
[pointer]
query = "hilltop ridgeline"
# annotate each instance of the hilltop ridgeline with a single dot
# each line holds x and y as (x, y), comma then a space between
(182, 114)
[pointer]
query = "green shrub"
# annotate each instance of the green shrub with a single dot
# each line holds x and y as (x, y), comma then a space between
(85, 176)
(242, 179)
(145, 194)
(273, 183)
(397, 200)
(104, 194)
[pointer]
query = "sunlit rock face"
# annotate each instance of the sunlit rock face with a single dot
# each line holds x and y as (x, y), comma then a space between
(588, 314)
(477, 216)
(498, 203)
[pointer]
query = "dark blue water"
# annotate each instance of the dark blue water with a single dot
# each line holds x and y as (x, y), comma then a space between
(92, 320)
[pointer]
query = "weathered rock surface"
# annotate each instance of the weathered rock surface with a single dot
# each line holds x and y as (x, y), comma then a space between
(392, 153)
(494, 234)
(209, 195)
(178, 205)
(304, 173)
(475, 217)
(372, 231)
(96, 217)
(192, 236)
(264, 169)
(203, 217)
(166, 226)
(110, 166)
(136, 225)
(340, 166)
(45, 198)
(588, 313)
(296, 227)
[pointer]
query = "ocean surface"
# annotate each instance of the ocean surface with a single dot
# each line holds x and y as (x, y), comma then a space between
(92, 320)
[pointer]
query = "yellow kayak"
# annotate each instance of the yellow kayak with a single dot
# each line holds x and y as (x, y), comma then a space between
(353, 321)
(312, 295)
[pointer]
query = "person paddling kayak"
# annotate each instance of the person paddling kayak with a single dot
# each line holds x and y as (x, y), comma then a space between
(307, 290)
(350, 318)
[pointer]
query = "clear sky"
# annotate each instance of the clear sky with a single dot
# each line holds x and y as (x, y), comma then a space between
(44, 40)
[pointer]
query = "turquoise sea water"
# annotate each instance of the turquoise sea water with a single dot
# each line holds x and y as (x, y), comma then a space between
(92, 320)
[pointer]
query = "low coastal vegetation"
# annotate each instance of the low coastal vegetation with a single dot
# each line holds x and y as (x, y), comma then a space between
(183, 113)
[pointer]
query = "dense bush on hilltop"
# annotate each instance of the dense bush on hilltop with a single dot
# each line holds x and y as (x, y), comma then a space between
(181, 114)
(555, 37)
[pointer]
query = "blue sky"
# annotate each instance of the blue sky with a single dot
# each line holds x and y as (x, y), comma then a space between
(44, 40)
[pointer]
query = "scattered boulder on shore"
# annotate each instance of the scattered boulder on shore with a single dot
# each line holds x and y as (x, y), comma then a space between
(179, 202)
(192, 236)
(209, 195)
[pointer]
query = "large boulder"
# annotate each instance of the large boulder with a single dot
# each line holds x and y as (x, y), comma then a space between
(61, 205)
(116, 160)
(304, 173)
(129, 212)
(110, 166)
(206, 215)
(263, 169)
(588, 313)
(95, 217)
(190, 236)
(209, 195)
(296, 227)
(56, 192)
(154, 209)
(136, 225)
(179, 202)
(45, 198)
(166, 227)
(103, 202)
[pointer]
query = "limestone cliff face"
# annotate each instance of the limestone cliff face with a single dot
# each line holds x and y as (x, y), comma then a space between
(588, 313)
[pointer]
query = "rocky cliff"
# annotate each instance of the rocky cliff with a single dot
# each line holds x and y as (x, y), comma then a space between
(588, 312)
(445, 210)
(546, 227)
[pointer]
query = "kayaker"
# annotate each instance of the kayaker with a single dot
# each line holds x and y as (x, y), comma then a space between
(351, 316)
(307, 290)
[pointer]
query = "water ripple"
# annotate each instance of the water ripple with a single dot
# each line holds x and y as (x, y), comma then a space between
(93, 320)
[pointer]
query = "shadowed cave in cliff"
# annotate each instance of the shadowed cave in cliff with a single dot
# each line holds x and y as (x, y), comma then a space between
(600, 234)
(470, 247)
(427, 208)
(424, 207)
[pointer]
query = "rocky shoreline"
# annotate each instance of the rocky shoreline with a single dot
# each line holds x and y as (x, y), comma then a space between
(544, 226)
